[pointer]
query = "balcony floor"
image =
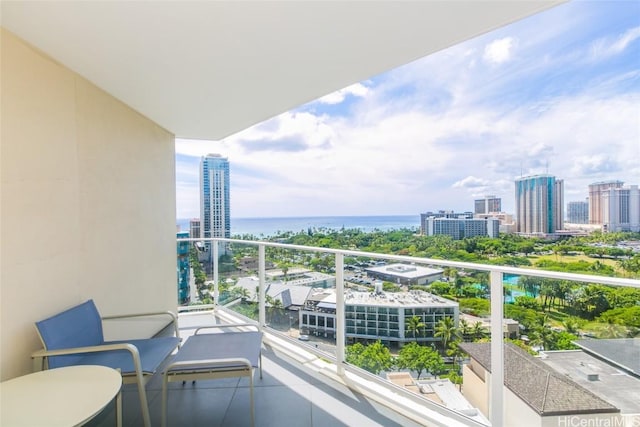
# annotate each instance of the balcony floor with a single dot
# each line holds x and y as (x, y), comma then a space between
(289, 394)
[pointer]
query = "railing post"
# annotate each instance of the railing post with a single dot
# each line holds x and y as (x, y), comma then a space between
(216, 258)
(262, 318)
(496, 400)
(340, 322)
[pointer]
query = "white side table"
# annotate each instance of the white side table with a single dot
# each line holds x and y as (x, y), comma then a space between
(68, 396)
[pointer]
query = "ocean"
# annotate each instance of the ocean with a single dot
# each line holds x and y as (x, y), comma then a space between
(266, 227)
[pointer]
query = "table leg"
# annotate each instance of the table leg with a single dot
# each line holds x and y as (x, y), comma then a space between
(119, 409)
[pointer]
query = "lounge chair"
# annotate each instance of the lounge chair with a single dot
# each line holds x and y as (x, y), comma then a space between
(224, 354)
(75, 337)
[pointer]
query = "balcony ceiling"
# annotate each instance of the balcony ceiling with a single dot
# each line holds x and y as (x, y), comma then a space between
(208, 69)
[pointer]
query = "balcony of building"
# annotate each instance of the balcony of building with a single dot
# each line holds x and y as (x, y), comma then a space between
(93, 97)
(299, 387)
(307, 384)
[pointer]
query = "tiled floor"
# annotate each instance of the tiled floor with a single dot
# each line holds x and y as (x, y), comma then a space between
(288, 395)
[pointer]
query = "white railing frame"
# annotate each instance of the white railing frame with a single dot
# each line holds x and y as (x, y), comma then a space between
(496, 405)
(340, 320)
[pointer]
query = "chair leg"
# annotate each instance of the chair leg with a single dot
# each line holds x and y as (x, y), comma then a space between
(164, 398)
(119, 409)
(251, 399)
(144, 406)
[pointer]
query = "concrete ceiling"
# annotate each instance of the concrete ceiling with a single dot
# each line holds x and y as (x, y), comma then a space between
(208, 69)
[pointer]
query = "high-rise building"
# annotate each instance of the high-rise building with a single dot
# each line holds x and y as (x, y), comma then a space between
(215, 213)
(183, 268)
(194, 228)
(614, 206)
(488, 204)
(578, 212)
(539, 204)
(441, 214)
(460, 228)
(596, 191)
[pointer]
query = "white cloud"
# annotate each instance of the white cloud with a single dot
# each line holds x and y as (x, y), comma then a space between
(609, 46)
(440, 132)
(357, 89)
(471, 182)
(499, 51)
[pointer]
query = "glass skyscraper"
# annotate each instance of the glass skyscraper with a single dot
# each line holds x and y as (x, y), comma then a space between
(539, 204)
(215, 214)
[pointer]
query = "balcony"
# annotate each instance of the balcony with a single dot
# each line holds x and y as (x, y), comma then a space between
(297, 386)
(314, 385)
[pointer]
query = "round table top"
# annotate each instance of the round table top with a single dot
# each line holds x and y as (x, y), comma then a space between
(67, 396)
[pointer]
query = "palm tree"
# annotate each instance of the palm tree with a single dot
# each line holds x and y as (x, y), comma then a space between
(572, 325)
(542, 333)
(446, 329)
(478, 331)
(612, 329)
(465, 329)
(243, 293)
(414, 324)
(455, 352)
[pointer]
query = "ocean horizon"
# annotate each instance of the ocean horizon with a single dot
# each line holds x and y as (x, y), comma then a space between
(266, 227)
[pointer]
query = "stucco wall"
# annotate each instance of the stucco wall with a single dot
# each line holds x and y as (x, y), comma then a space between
(474, 388)
(517, 413)
(87, 202)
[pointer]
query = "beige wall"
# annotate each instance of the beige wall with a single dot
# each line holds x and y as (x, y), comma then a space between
(474, 388)
(87, 202)
(517, 413)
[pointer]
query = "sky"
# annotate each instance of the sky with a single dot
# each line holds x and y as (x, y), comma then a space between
(556, 93)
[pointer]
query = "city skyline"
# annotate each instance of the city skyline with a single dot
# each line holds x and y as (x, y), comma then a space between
(450, 128)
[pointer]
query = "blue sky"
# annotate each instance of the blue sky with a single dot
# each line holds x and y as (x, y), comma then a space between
(556, 92)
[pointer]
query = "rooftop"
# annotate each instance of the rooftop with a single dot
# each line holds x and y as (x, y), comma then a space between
(398, 299)
(623, 352)
(545, 390)
(297, 293)
(614, 385)
(405, 270)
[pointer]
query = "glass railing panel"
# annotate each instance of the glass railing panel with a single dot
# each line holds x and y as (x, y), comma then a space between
(457, 304)
(238, 278)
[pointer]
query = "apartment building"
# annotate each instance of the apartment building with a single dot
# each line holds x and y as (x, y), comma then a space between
(614, 206)
(441, 214)
(215, 211)
(539, 205)
(578, 212)
(378, 315)
(487, 204)
(460, 228)
(183, 268)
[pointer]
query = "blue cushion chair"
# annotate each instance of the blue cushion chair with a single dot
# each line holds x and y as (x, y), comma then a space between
(75, 337)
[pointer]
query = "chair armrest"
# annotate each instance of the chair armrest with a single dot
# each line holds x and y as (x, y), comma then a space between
(41, 354)
(228, 325)
(172, 315)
